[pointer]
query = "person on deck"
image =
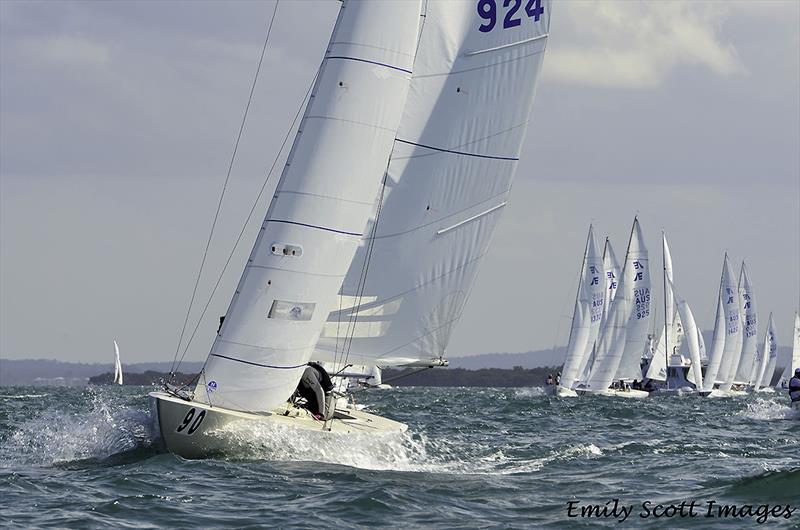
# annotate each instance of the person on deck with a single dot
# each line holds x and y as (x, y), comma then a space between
(794, 386)
(314, 386)
(549, 381)
(558, 378)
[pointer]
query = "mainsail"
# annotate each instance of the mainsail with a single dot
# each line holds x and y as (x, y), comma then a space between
(638, 267)
(586, 314)
(729, 296)
(629, 313)
(447, 184)
(611, 268)
(748, 367)
(321, 206)
(117, 365)
(669, 339)
(769, 356)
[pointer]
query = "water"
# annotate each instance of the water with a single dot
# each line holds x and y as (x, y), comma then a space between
(506, 458)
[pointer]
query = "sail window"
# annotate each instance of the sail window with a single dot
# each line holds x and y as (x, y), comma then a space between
(283, 310)
(281, 249)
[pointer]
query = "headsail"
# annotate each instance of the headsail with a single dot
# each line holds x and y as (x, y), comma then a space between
(611, 268)
(586, 314)
(692, 337)
(319, 211)
(448, 182)
(668, 338)
(748, 368)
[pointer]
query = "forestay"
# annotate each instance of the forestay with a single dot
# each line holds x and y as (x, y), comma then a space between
(748, 367)
(586, 314)
(447, 185)
(733, 331)
(319, 211)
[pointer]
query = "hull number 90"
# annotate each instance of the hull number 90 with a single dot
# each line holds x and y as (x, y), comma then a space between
(192, 420)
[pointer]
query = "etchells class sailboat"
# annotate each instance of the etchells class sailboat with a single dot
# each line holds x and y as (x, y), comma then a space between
(794, 361)
(619, 349)
(117, 366)
(396, 179)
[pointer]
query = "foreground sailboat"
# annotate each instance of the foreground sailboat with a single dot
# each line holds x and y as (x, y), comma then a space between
(117, 366)
(437, 148)
(794, 363)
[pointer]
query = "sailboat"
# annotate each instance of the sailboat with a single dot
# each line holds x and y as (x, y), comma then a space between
(585, 318)
(117, 366)
(619, 349)
(401, 166)
(745, 375)
(730, 335)
(767, 359)
(694, 371)
(794, 363)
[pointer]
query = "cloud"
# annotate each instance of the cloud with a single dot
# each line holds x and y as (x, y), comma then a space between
(634, 44)
(69, 50)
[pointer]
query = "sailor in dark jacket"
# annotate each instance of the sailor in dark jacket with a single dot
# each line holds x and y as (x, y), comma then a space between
(313, 387)
(794, 386)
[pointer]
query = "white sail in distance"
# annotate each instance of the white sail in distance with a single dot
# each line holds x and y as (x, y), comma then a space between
(586, 313)
(748, 367)
(447, 185)
(718, 340)
(692, 337)
(319, 211)
(668, 336)
(638, 267)
(769, 356)
(729, 295)
(611, 268)
(794, 361)
(635, 279)
(117, 365)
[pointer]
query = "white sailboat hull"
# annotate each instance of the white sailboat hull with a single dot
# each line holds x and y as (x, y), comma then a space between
(610, 392)
(190, 429)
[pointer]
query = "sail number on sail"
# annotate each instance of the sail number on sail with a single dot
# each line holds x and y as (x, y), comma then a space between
(193, 425)
(487, 9)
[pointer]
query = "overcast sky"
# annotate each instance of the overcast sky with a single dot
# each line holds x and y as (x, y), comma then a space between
(118, 122)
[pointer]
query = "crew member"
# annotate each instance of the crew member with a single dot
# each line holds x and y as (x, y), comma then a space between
(549, 379)
(794, 386)
(314, 385)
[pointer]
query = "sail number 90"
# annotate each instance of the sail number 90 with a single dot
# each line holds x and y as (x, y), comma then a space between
(487, 10)
(192, 420)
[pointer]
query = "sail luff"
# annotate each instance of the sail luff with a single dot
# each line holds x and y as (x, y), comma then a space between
(319, 211)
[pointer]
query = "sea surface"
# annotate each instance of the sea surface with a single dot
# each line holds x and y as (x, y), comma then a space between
(485, 458)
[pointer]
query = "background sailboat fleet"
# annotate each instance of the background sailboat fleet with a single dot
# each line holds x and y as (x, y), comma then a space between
(611, 347)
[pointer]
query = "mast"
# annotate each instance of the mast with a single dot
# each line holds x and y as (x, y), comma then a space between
(666, 315)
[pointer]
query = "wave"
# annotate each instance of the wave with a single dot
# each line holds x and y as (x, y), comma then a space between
(24, 396)
(771, 486)
(765, 409)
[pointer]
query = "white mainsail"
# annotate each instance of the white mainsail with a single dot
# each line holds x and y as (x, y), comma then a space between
(448, 181)
(586, 314)
(691, 333)
(117, 365)
(729, 296)
(769, 356)
(718, 340)
(748, 366)
(611, 268)
(319, 211)
(794, 362)
(631, 309)
(638, 265)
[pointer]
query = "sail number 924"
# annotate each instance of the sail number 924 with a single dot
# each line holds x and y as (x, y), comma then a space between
(488, 11)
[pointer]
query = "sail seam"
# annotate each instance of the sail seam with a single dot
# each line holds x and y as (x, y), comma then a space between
(357, 59)
(317, 195)
(353, 122)
(317, 227)
(321, 275)
(370, 46)
(462, 153)
(482, 67)
(257, 364)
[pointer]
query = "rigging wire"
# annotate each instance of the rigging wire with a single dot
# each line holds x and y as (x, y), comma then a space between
(224, 188)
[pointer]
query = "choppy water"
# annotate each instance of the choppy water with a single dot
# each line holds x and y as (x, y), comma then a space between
(507, 458)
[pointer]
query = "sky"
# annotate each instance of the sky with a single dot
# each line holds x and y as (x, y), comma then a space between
(118, 120)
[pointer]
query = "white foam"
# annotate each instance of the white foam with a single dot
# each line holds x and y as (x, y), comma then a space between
(529, 391)
(766, 409)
